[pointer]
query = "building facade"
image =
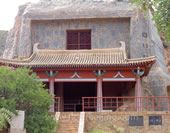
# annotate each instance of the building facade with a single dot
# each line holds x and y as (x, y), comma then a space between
(83, 52)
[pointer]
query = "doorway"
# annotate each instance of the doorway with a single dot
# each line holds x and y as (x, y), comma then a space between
(73, 93)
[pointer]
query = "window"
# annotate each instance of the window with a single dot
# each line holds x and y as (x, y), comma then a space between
(78, 39)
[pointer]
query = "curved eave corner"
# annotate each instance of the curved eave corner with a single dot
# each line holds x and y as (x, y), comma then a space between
(148, 61)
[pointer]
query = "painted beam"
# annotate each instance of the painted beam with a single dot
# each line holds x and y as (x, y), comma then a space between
(75, 80)
(119, 79)
(42, 80)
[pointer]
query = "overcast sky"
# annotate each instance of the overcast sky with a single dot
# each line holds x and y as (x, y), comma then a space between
(8, 12)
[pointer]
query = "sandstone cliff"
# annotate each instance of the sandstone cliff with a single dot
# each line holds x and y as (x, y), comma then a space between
(144, 39)
(3, 36)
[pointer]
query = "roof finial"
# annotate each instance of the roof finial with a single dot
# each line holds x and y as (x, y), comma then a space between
(35, 48)
(123, 45)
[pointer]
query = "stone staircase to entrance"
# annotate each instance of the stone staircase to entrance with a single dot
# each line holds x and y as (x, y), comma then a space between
(69, 122)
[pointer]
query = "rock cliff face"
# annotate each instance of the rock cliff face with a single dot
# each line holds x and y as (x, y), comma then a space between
(3, 36)
(19, 39)
(143, 37)
(158, 79)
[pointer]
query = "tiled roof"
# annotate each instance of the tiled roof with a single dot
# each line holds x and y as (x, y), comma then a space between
(112, 57)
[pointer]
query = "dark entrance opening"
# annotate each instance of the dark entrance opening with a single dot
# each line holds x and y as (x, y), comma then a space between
(73, 93)
(119, 93)
(118, 89)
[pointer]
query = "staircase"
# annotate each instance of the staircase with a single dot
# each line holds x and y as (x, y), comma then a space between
(69, 122)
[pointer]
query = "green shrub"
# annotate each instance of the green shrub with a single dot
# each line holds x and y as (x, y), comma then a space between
(5, 118)
(40, 123)
(20, 91)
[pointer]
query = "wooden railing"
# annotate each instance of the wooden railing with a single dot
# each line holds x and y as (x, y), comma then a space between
(72, 105)
(56, 106)
(154, 103)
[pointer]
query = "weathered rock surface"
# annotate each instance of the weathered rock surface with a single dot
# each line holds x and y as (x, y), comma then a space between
(3, 36)
(143, 37)
(158, 79)
(19, 39)
(167, 57)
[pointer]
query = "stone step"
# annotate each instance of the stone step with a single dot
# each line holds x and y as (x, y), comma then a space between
(67, 132)
(73, 122)
(69, 122)
(69, 119)
(69, 127)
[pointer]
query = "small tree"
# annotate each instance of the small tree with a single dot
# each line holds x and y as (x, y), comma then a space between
(19, 90)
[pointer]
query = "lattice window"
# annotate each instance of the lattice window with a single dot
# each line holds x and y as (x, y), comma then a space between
(78, 39)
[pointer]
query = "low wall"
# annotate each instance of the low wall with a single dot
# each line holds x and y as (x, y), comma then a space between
(128, 122)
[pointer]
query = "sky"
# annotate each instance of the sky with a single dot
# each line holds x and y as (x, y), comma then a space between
(8, 12)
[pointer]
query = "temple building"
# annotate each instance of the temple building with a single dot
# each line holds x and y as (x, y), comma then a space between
(73, 74)
(82, 49)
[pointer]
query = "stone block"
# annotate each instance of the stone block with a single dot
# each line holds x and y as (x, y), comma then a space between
(17, 125)
(106, 110)
(14, 130)
(18, 121)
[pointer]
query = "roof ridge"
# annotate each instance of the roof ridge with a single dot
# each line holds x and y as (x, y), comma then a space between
(79, 51)
(104, 50)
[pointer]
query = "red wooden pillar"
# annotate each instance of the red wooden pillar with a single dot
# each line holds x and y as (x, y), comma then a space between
(138, 90)
(51, 74)
(99, 95)
(138, 87)
(51, 91)
(99, 73)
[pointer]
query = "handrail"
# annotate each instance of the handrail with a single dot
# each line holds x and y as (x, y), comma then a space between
(56, 107)
(132, 103)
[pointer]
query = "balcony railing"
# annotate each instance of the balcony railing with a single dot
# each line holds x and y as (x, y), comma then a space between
(120, 104)
(154, 103)
(56, 106)
(72, 105)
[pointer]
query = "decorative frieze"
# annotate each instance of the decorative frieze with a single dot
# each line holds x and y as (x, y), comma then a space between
(138, 73)
(99, 72)
(119, 74)
(75, 75)
(51, 73)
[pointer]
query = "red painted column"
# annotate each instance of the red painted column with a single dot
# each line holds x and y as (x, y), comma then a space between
(51, 91)
(138, 90)
(99, 95)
